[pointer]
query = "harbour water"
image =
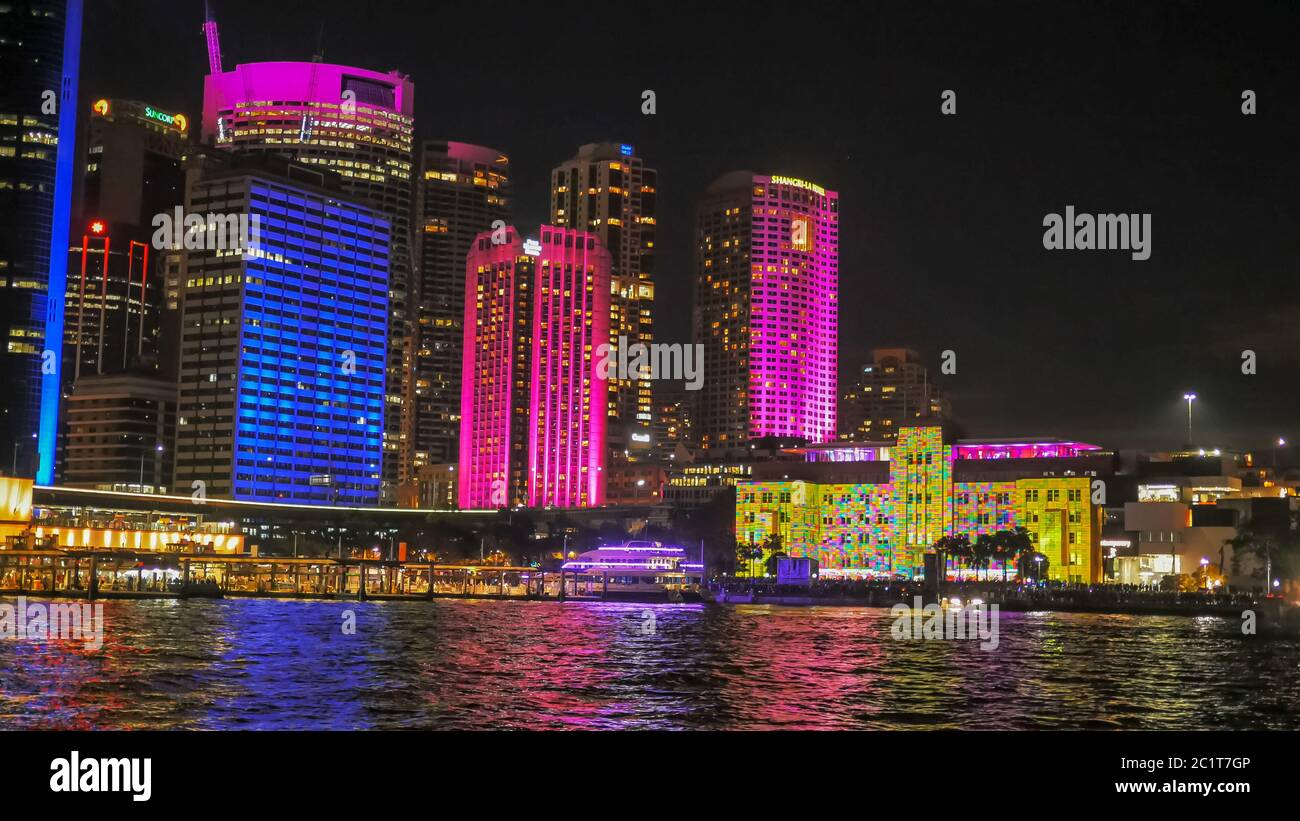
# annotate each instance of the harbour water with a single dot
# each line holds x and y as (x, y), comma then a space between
(464, 664)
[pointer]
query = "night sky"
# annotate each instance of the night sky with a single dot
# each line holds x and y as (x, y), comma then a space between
(1110, 107)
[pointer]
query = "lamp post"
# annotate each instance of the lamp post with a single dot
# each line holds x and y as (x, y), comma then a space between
(1190, 397)
(157, 449)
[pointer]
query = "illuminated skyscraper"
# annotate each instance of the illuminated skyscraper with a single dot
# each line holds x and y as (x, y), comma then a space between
(131, 155)
(607, 190)
(281, 394)
(358, 124)
(894, 390)
(533, 392)
(113, 302)
(766, 309)
(40, 47)
(462, 190)
(497, 352)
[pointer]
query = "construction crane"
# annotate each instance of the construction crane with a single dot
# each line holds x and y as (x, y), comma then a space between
(214, 40)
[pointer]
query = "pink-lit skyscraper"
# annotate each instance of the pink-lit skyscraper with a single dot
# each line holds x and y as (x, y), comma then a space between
(766, 309)
(533, 392)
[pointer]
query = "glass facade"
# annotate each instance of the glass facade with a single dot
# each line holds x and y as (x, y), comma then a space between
(39, 63)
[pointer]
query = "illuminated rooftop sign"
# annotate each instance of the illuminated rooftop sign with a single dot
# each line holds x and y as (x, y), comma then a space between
(532, 248)
(798, 183)
(179, 121)
(625, 150)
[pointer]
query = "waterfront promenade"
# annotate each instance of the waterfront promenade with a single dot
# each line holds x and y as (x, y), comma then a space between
(127, 574)
(1009, 596)
(144, 575)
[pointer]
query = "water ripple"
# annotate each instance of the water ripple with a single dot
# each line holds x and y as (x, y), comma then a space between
(265, 664)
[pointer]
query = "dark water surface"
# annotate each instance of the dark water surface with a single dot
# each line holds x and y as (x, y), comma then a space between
(264, 664)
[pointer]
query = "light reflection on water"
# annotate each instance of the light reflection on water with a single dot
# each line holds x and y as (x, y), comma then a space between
(265, 664)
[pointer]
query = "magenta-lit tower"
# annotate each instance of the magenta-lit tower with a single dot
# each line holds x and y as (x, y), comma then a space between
(766, 309)
(533, 392)
(358, 124)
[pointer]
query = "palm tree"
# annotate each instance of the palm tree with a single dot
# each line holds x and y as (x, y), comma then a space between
(941, 546)
(742, 554)
(771, 546)
(984, 550)
(1010, 545)
(1002, 551)
(953, 547)
(749, 551)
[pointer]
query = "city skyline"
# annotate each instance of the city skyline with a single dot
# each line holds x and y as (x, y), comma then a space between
(908, 366)
(943, 215)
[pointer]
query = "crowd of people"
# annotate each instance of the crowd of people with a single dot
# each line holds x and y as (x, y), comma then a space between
(1045, 593)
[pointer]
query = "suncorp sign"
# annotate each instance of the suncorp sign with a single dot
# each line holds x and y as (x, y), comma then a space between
(177, 121)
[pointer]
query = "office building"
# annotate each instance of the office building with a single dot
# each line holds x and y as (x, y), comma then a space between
(893, 391)
(119, 433)
(462, 190)
(358, 124)
(607, 190)
(281, 393)
(40, 46)
(132, 155)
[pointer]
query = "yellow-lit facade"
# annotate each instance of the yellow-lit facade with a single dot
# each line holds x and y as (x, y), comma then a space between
(885, 528)
(165, 533)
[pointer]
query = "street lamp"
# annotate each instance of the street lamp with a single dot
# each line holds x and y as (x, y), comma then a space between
(158, 449)
(1189, 397)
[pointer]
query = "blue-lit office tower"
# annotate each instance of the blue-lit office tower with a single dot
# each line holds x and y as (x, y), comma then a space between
(40, 45)
(281, 394)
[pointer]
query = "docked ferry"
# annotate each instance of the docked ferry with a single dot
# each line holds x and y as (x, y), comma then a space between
(635, 571)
